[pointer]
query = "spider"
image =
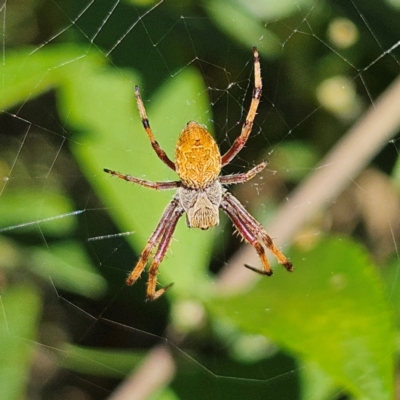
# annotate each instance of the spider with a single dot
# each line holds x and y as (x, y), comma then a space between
(201, 191)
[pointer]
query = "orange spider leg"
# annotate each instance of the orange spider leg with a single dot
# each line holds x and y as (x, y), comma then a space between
(146, 125)
(249, 236)
(151, 243)
(241, 140)
(152, 293)
(250, 229)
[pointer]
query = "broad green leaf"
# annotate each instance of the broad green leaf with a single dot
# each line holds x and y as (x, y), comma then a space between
(20, 308)
(331, 311)
(27, 73)
(26, 210)
(103, 105)
(293, 159)
(207, 376)
(233, 19)
(100, 362)
(65, 263)
(142, 3)
(391, 276)
(274, 9)
(10, 254)
(68, 266)
(316, 384)
(164, 394)
(396, 173)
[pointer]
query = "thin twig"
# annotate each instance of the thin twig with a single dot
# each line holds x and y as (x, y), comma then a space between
(154, 373)
(339, 168)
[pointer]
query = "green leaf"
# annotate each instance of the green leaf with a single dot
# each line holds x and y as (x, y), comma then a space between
(235, 21)
(65, 263)
(103, 105)
(316, 384)
(100, 362)
(390, 275)
(332, 312)
(68, 266)
(20, 307)
(274, 9)
(28, 72)
(164, 394)
(294, 160)
(29, 209)
(396, 174)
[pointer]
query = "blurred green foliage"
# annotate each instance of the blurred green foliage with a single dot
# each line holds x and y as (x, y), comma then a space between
(332, 318)
(18, 329)
(338, 324)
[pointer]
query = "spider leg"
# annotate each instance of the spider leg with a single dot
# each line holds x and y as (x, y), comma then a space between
(250, 229)
(146, 125)
(244, 177)
(152, 242)
(241, 140)
(249, 236)
(152, 293)
(144, 182)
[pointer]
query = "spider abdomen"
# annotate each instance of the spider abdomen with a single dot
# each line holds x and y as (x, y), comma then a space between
(197, 157)
(201, 205)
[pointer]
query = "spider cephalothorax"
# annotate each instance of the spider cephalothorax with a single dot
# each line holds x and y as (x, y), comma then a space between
(200, 193)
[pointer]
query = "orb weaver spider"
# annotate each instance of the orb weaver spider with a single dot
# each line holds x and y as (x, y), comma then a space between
(200, 193)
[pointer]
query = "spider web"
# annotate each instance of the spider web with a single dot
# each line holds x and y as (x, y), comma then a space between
(327, 124)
